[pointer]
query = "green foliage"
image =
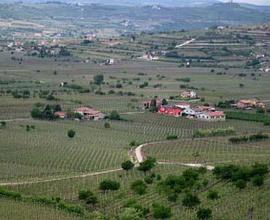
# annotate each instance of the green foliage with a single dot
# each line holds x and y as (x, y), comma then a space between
(204, 214)
(10, 194)
(98, 79)
(251, 138)
(241, 184)
(214, 132)
(258, 181)
(114, 116)
(241, 175)
(161, 212)
(88, 197)
(147, 165)
(127, 165)
(148, 179)
(172, 137)
(71, 133)
(47, 113)
(246, 116)
(130, 214)
(3, 124)
(139, 187)
(109, 185)
(107, 125)
(190, 200)
(134, 204)
(212, 195)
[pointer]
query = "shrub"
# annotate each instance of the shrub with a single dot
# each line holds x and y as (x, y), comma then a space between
(147, 165)
(10, 194)
(204, 214)
(84, 194)
(241, 184)
(107, 125)
(212, 195)
(190, 200)
(127, 165)
(98, 79)
(258, 181)
(106, 185)
(139, 187)
(251, 138)
(148, 180)
(114, 116)
(172, 137)
(71, 133)
(161, 212)
(214, 132)
(172, 197)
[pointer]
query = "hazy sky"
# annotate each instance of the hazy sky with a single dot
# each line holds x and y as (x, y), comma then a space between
(258, 2)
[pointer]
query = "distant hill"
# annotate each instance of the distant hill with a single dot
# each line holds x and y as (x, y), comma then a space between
(166, 3)
(127, 18)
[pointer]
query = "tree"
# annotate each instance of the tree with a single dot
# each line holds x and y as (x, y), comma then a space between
(3, 124)
(258, 180)
(88, 196)
(84, 194)
(164, 102)
(71, 133)
(36, 113)
(153, 105)
(241, 184)
(161, 212)
(98, 79)
(139, 187)
(190, 200)
(212, 195)
(204, 214)
(130, 214)
(114, 115)
(107, 125)
(147, 165)
(106, 185)
(127, 165)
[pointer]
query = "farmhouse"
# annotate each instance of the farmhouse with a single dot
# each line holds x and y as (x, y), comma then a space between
(211, 116)
(249, 103)
(90, 113)
(150, 56)
(170, 110)
(189, 95)
(61, 115)
(183, 105)
(147, 104)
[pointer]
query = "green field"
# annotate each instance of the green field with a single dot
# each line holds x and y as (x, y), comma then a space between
(38, 158)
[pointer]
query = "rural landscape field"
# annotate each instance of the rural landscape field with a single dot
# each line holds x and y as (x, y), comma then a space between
(119, 111)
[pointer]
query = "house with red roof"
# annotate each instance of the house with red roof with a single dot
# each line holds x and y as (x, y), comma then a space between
(61, 115)
(90, 113)
(170, 110)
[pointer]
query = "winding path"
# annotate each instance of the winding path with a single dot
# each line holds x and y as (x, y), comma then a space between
(59, 178)
(136, 155)
(140, 157)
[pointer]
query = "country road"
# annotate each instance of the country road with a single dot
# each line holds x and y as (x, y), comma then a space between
(185, 43)
(139, 158)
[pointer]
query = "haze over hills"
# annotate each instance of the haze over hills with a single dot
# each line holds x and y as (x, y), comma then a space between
(75, 18)
(167, 3)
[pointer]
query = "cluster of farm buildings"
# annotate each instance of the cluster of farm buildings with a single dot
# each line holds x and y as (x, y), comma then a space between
(205, 113)
(85, 113)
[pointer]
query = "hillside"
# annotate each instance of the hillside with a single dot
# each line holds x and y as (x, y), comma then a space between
(122, 19)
